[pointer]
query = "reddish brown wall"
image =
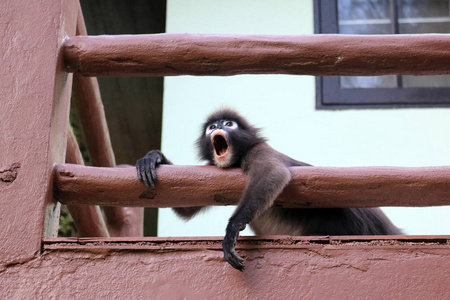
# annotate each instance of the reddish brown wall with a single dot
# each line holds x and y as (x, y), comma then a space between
(34, 108)
(276, 269)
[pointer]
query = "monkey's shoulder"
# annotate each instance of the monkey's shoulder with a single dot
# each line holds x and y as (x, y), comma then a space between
(263, 153)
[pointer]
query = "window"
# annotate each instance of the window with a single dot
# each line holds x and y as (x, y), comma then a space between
(382, 17)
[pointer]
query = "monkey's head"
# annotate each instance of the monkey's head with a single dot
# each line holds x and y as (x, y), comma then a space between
(226, 137)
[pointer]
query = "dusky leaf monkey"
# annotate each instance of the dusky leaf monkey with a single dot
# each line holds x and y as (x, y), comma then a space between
(227, 140)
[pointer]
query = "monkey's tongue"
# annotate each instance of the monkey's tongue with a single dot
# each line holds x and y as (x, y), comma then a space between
(220, 145)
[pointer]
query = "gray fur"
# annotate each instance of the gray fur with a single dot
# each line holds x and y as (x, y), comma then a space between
(268, 174)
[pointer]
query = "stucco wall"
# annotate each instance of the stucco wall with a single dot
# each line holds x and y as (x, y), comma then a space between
(284, 268)
(284, 106)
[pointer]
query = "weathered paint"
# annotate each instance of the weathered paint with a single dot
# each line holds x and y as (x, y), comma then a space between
(34, 126)
(207, 54)
(121, 221)
(276, 268)
(33, 120)
(207, 185)
(88, 219)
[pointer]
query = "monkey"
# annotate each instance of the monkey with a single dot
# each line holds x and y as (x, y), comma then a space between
(227, 140)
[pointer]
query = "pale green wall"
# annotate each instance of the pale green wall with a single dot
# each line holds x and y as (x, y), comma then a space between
(285, 107)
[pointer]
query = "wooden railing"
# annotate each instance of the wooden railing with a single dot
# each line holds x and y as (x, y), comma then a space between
(34, 108)
(206, 54)
(206, 185)
(120, 221)
(170, 54)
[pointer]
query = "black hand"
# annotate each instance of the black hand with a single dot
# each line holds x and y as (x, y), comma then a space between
(146, 167)
(229, 251)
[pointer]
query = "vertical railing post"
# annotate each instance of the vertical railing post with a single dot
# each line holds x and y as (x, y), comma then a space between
(34, 111)
(121, 221)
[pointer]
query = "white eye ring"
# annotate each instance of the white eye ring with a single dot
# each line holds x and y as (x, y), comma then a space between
(230, 124)
(211, 128)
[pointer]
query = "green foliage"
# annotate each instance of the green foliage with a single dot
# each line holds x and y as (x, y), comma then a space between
(66, 225)
(78, 131)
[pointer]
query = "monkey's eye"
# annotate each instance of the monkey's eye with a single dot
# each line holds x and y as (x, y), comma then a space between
(210, 128)
(230, 124)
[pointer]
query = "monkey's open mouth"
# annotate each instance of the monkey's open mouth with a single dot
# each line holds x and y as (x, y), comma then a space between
(220, 143)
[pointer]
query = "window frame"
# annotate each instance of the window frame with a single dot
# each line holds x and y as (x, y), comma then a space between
(329, 95)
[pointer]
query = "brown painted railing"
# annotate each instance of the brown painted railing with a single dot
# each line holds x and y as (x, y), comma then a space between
(120, 221)
(34, 121)
(206, 54)
(206, 185)
(88, 218)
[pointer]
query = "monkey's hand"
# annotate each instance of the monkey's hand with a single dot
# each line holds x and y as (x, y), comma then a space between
(228, 244)
(146, 167)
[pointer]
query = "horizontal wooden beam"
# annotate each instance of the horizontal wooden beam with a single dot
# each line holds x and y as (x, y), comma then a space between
(206, 54)
(312, 187)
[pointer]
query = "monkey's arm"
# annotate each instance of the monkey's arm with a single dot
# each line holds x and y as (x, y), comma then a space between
(267, 178)
(146, 167)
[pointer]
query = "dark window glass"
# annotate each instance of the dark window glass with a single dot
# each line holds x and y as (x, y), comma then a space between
(382, 17)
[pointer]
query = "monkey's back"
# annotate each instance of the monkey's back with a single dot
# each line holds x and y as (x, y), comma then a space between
(316, 221)
(324, 221)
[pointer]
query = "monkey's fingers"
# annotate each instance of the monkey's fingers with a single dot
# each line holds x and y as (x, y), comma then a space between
(143, 172)
(234, 259)
(146, 167)
(153, 163)
(228, 244)
(148, 176)
(140, 168)
(230, 254)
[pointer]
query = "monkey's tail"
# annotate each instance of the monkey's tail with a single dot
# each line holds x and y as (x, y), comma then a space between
(187, 213)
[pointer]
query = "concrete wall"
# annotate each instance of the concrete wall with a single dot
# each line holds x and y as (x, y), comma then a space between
(283, 268)
(285, 107)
